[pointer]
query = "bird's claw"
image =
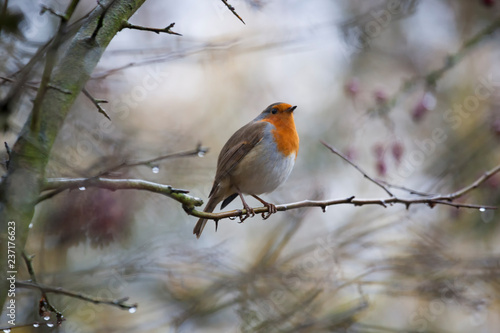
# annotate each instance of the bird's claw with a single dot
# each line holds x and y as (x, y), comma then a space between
(271, 209)
(249, 213)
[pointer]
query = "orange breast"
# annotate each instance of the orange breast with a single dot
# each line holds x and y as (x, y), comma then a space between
(285, 134)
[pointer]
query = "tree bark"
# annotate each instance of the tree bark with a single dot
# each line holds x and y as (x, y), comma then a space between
(21, 187)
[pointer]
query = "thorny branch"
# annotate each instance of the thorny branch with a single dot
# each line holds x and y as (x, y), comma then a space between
(166, 30)
(189, 202)
(231, 8)
(97, 103)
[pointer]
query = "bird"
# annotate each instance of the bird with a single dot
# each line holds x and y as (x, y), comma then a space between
(255, 160)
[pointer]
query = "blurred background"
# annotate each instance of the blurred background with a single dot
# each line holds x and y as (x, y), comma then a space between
(361, 74)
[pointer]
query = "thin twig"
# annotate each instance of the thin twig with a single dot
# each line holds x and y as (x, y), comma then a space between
(336, 152)
(198, 151)
(484, 177)
(432, 77)
(231, 8)
(166, 30)
(96, 300)
(44, 304)
(403, 188)
(97, 103)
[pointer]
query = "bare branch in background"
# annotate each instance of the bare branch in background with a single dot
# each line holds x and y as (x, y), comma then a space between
(336, 152)
(120, 302)
(97, 103)
(166, 30)
(430, 79)
(198, 151)
(45, 306)
(231, 8)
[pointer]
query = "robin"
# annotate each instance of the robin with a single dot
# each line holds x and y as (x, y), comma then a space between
(256, 159)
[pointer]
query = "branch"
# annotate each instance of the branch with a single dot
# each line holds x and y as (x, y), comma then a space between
(430, 200)
(198, 151)
(45, 307)
(333, 150)
(231, 8)
(50, 62)
(120, 303)
(97, 103)
(166, 30)
(451, 61)
(122, 184)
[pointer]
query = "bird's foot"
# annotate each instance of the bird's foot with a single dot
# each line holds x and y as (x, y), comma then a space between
(249, 212)
(271, 210)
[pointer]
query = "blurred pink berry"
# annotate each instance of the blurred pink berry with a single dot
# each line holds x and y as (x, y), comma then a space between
(426, 103)
(381, 167)
(397, 151)
(380, 96)
(352, 87)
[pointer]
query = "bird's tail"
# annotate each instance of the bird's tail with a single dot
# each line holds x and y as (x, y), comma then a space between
(200, 225)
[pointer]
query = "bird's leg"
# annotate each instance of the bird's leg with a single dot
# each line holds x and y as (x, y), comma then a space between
(271, 207)
(249, 210)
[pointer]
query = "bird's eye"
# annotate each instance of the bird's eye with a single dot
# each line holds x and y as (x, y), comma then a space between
(274, 111)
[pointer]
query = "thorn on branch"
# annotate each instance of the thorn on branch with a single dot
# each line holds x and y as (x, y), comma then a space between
(97, 103)
(231, 8)
(166, 30)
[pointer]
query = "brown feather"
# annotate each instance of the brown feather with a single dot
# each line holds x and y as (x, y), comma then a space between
(237, 147)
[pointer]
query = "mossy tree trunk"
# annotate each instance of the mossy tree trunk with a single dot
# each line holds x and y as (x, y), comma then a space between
(75, 60)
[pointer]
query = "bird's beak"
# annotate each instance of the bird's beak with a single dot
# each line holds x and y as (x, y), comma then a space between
(292, 108)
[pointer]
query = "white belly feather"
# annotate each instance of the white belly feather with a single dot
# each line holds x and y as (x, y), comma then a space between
(264, 169)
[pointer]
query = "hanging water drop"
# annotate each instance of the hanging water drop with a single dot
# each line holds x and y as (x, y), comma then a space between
(201, 153)
(155, 169)
(31, 225)
(36, 325)
(232, 218)
(82, 188)
(6, 330)
(324, 208)
(482, 209)
(50, 324)
(132, 309)
(46, 318)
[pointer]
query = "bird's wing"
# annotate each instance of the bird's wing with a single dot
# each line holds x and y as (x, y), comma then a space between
(237, 147)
